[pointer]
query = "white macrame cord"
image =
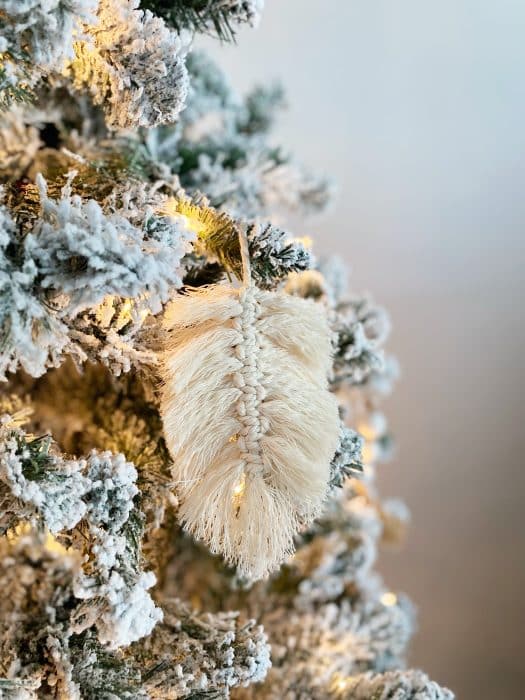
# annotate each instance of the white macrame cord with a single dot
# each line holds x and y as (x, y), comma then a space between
(248, 418)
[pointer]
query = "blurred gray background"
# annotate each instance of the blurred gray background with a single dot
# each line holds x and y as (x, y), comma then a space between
(418, 111)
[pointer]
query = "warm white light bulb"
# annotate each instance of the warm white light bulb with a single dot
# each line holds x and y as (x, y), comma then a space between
(239, 488)
(388, 599)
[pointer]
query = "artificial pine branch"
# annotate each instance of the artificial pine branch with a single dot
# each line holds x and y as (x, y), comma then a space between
(347, 460)
(95, 178)
(206, 16)
(14, 83)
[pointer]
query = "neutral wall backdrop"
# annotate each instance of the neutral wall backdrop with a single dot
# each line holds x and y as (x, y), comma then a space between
(417, 109)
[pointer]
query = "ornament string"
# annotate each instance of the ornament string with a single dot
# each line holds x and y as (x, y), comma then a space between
(245, 256)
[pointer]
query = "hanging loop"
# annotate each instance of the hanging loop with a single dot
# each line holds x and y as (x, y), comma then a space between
(245, 255)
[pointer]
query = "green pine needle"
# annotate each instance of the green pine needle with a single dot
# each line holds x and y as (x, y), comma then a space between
(199, 15)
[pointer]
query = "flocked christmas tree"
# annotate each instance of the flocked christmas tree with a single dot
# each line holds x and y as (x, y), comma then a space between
(189, 407)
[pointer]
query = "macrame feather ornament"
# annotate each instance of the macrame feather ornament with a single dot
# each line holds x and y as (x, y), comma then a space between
(248, 418)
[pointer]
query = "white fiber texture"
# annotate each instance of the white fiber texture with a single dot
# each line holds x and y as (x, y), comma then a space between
(248, 419)
(134, 65)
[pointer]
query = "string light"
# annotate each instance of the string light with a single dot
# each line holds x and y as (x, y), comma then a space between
(306, 241)
(239, 488)
(53, 545)
(24, 529)
(204, 221)
(190, 214)
(125, 311)
(374, 427)
(342, 683)
(389, 599)
(366, 430)
(128, 311)
(368, 453)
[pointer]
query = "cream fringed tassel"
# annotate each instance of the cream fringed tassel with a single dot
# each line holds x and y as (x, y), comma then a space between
(248, 418)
